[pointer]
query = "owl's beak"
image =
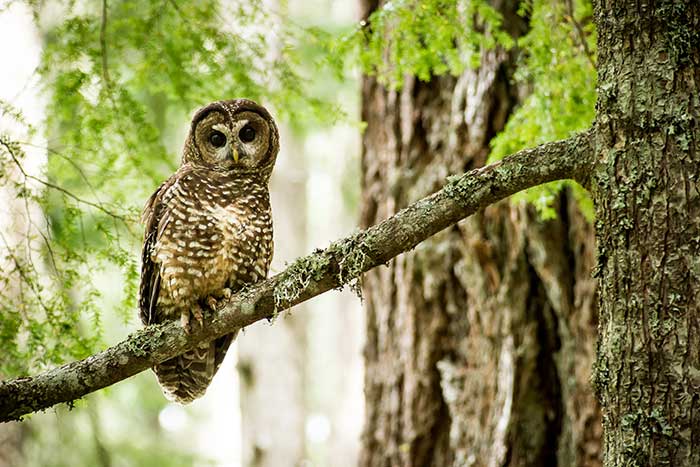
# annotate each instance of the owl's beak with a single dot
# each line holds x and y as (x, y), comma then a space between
(235, 154)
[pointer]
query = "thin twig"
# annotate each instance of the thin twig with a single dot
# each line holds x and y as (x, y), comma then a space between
(22, 273)
(581, 34)
(74, 164)
(47, 243)
(53, 186)
(103, 45)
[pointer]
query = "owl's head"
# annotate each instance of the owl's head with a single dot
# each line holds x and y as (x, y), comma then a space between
(233, 135)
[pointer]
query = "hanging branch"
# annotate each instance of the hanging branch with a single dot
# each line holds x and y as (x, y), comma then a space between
(341, 263)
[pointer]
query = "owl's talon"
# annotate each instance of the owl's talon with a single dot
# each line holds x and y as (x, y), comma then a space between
(185, 321)
(198, 315)
(214, 303)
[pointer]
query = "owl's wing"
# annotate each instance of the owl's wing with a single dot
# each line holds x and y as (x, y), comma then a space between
(156, 215)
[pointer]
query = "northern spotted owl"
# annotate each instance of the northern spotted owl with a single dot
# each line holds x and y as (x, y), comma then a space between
(208, 232)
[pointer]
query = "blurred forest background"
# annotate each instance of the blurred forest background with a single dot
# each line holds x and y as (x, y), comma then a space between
(95, 98)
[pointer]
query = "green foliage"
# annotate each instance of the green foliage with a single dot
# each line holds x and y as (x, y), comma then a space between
(41, 324)
(558, 66)
(436, 37)
(122, 78)
(422, 38)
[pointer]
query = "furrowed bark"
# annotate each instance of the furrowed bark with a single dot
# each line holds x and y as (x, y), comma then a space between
(339, 264)
(479, 344)
(647, 196)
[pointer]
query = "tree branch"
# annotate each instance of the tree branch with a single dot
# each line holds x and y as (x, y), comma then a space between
(339, 264)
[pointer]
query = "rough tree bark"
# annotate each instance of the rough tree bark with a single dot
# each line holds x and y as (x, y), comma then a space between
(647, 193)
(480, 342)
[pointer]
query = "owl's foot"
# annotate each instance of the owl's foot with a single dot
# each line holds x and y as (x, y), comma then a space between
(185, 321)
(198, 314)
(195, 312)
(215, 303)
(212, 303)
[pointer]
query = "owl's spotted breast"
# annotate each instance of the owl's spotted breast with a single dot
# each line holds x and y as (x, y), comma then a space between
(217, 238)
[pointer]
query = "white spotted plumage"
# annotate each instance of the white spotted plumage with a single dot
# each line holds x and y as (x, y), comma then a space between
(208, 228)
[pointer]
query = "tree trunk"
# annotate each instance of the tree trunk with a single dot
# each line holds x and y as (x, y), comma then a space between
(648, 229)
(480, 341)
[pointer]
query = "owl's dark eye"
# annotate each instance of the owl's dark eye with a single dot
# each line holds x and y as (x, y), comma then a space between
(247, 134)
(217, 139)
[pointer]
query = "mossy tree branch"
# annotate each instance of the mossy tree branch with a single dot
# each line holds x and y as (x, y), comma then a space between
(339, 264)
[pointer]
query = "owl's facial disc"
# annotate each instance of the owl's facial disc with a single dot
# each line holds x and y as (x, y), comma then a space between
(227, 141)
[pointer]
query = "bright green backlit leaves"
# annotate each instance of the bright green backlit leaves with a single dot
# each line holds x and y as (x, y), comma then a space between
(558, 65)
(436, 37)
(422, 38)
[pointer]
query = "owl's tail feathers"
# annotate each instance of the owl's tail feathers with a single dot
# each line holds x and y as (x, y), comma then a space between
(186, 377)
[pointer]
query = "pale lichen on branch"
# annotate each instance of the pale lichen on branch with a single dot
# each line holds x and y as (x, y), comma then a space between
(344, 260)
